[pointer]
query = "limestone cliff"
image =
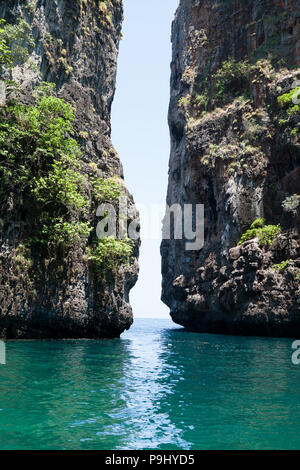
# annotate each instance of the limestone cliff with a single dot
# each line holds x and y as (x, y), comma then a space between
(234, 123)
(51, 291)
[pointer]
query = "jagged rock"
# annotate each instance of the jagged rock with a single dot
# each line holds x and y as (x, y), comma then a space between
(240, 157)
(76, 47)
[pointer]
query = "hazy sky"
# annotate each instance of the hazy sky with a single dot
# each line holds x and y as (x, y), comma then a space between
(140, 130)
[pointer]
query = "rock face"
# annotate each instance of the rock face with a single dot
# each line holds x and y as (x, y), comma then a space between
(59, 295)
(235, 148)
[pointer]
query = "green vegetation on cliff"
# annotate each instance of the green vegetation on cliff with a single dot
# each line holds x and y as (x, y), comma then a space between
(265, 233)
(109, 253)
(231, 80)
(5, 51)
(16, 41)
(290, 101)
(290, 109)
(42, 166)
(38, 158)
(281, 266)
(291, 204)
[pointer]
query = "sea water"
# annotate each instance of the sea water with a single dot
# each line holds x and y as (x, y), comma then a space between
(157, 387)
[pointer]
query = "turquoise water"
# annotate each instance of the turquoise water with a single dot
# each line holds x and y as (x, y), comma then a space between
(158, 387)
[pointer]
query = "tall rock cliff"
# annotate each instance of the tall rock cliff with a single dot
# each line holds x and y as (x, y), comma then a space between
(56, 279)
(234, 123)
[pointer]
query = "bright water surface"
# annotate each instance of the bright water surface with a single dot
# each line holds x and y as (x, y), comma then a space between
(158, 387)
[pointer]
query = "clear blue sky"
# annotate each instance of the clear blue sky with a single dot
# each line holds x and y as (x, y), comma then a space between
(140, 130)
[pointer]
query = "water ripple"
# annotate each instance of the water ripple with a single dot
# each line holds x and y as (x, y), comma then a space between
(158, 387)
